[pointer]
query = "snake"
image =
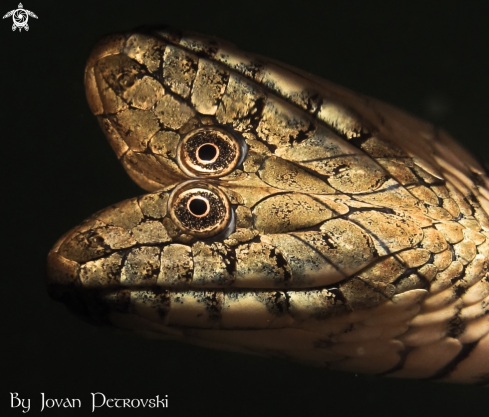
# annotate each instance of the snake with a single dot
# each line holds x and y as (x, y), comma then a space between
(285, 216)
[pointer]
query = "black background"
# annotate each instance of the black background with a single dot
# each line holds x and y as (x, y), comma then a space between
(427, 57)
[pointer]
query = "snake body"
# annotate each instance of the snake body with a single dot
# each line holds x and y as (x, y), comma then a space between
(286, 217)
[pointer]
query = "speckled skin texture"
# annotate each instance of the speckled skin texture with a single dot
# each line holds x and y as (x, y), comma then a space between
(335, 230)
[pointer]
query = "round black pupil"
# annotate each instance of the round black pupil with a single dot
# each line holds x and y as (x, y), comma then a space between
(197, 207)
(207, 152)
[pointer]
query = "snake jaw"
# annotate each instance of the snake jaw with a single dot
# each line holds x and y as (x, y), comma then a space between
(63, 285)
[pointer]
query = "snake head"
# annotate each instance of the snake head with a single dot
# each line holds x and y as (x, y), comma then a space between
(140, 243)
(157, 105)
(286, 216)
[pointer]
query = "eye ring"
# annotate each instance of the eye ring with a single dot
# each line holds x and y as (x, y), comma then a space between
(194, 206)
(209, 152)
(201, 210)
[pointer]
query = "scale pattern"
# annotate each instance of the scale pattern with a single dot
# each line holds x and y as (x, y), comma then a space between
(353, 236)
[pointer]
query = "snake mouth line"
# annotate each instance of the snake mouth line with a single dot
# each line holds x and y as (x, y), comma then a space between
(189, 306)
(210, 308)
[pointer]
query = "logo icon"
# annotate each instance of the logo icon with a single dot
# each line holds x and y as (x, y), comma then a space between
(20, 17)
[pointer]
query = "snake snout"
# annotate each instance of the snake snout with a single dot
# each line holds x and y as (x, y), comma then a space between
(63, 286)
(62, 273)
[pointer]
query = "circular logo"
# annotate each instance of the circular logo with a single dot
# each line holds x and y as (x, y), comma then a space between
(20, 17)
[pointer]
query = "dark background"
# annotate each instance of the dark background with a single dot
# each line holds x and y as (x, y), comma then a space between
(427, 57)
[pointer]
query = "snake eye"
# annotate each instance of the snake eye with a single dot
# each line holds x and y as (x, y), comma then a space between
(209, 152)
(199, 209)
